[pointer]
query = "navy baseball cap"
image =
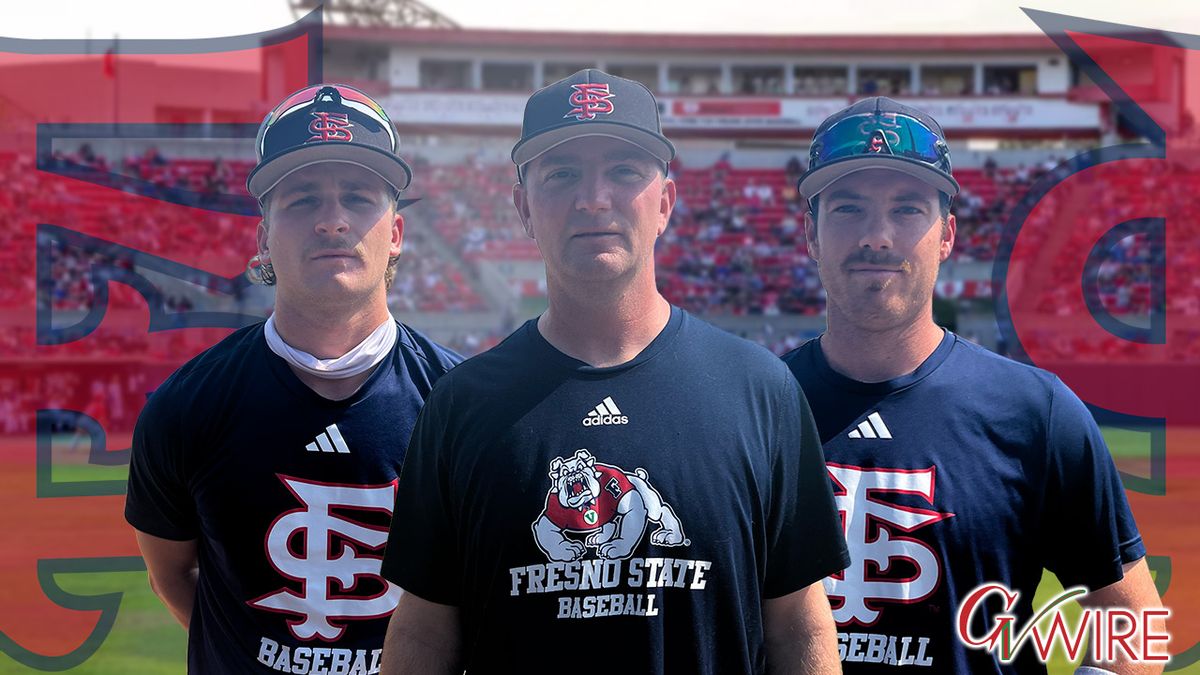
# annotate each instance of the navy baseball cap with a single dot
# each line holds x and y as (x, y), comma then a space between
(591, 103)
(326, 123)
(878, 133)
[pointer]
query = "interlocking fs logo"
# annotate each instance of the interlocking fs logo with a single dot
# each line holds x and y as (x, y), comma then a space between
(878, 144)
(329, 558)
(874, 531)
(590, 99)
(329, 126)
(609, 507)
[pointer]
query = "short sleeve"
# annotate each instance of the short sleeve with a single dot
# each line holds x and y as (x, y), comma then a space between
(1089, 531)
(421, 555)
(804, 532)
(158, 500)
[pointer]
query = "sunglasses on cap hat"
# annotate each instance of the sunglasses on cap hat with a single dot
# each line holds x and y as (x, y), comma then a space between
(883, 135)
(889, 133)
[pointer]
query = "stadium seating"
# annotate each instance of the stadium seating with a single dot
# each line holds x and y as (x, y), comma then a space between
(735, 246)
(425, 281)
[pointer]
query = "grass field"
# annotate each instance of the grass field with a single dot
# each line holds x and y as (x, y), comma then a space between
(145, 640)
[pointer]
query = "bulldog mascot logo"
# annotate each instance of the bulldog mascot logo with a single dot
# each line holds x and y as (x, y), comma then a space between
(608, 505)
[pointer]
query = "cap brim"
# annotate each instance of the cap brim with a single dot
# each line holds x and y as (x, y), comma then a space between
(815, 181)
(531, 148)
(387, 166)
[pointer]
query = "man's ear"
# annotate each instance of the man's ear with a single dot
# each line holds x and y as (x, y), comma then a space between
(397, 236)
(260, 236)
(810, 235)
(666, 205)
(521, 202)
(948, 234)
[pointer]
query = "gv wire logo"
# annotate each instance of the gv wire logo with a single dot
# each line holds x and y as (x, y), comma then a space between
(1115, 632)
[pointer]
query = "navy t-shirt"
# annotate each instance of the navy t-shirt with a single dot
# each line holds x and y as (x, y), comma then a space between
(289, 497)
(971, 469)
(634, 515)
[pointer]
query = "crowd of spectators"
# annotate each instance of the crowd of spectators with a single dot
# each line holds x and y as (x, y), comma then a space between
(1133, 191)
(1048, 346)
(427, 282)
(105, 377)
(735, 245)
(470, 206)
(167, 179)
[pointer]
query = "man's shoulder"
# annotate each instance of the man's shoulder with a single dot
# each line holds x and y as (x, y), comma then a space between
(431, 356)
(1026, 387)
(997, 388)
(797, 359)
(974, 363)
(511, 358)
(723, 349)
(216, 365)
(207, 378)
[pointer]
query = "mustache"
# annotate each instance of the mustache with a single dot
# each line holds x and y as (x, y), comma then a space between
(867, 256)
(342, 243)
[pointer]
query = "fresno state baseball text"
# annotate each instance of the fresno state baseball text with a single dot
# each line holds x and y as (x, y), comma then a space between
(317, 660)
(586, 575)
(886, 649)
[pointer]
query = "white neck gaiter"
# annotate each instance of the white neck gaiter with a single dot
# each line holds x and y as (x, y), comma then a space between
(362, 358)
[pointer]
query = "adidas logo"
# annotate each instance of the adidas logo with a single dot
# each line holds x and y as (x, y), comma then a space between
(872, 427)
(606, 412)
(329, 441)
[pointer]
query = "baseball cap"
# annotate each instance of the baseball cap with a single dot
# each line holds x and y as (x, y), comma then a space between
(591, 103)
(878, 133)
(326, 123)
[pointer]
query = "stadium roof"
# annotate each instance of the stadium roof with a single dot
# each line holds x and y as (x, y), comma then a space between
(476, 38)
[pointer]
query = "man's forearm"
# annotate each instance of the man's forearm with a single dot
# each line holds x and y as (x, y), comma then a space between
(409, 652)
(1120, 665)
(804, 654)
(800, 636)
(1136, 593)
(178, 593)
(173, 570)
(422, 639)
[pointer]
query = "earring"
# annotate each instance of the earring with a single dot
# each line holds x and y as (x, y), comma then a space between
(260, 271)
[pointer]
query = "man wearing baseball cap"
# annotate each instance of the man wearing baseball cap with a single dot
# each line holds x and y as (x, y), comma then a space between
(264, 470)
(617, 480)
(953, 467)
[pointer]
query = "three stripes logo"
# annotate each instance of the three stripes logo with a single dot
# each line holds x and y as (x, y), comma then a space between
(329, 440)
(872, 427)
(606, 412)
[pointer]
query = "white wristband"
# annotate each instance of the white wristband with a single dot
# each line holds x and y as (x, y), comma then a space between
(1092, 670)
